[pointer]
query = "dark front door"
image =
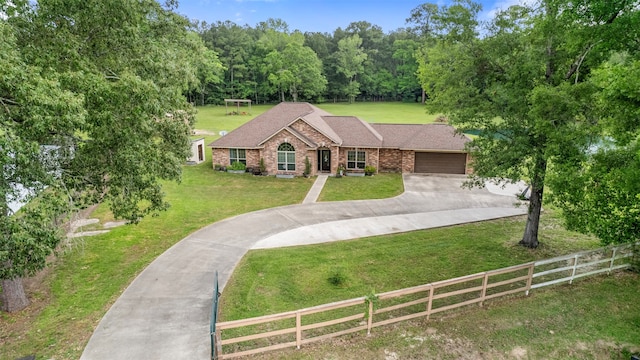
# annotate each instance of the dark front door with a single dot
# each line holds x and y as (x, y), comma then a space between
(324, 160)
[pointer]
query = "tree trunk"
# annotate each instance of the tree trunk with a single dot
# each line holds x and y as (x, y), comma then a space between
(13, 297)
(424, 96)
(530, 237)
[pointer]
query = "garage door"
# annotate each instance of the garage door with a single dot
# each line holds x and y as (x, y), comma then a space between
(440, 163)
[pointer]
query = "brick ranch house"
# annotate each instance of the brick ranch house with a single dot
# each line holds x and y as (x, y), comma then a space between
(288, 133)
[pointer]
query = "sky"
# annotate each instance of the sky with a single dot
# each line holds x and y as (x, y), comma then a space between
(317, 15)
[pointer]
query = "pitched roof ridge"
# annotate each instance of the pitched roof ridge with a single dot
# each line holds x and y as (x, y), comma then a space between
(370, 128)
(300, 136)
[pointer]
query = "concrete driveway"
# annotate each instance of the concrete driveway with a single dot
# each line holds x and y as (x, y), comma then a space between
(164, 313)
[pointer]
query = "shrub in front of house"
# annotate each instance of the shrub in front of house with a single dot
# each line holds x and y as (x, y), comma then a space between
(237, 166)
(369, 170)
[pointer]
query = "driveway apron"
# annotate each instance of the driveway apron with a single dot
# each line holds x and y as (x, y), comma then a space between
(164, 313)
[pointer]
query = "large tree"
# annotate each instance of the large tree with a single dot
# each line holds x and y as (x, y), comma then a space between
(295, 69)
(101, 86)
(522, 84)
(350, 59)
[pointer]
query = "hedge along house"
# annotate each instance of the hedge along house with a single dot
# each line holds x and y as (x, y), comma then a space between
(289, 133)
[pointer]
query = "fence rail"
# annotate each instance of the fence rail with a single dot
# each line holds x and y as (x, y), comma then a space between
(300, 327)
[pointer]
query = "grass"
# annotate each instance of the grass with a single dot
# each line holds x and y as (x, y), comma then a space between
(379, 186)
(382, 112)
(596, 318)
(262, 283)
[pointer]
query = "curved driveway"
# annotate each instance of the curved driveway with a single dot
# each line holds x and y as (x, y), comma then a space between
(164, 313)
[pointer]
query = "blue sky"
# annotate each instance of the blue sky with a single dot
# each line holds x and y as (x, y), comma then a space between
(316, 15)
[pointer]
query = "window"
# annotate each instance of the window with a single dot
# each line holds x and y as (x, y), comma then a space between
(355, 159)
(237, 155)
(286, 157)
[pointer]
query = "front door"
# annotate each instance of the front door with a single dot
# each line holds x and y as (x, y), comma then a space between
(324, 160)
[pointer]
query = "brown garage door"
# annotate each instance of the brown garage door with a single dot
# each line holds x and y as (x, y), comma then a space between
(440, 163)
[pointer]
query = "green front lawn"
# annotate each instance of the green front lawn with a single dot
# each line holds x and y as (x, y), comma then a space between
(379, 186)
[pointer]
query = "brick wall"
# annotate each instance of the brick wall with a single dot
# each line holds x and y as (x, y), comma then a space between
(408, 161)
(390, 160)
(220, 156)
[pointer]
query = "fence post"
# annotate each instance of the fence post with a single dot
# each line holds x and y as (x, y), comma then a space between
(370, 320)
(575, 265)
(530, 278)
(298, 330)
(218, 343)
(485, 282)
(613, 258)
(429, 303)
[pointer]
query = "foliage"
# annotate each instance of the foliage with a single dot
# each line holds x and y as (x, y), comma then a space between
(603, 196)
(268, 62)
(307, 166)
(337, 278)
(524, 85)
(370, 170)
(263, 167)
(349, 62)
(237, 165)
(373, 299)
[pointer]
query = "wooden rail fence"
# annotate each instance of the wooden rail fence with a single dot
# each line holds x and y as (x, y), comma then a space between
(300, 327)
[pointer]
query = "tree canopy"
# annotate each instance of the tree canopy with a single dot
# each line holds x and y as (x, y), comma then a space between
(255, 63)
(93, 109)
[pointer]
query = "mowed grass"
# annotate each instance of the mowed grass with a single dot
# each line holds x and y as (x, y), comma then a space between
(379, 186)
(592, 319)
(382, 112)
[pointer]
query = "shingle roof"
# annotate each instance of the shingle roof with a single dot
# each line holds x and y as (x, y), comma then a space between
(343, 130)
(354, 132)
(440, 137)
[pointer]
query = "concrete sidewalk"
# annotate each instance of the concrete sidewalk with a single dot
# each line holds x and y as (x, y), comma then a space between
(316, 189)
(164, 313)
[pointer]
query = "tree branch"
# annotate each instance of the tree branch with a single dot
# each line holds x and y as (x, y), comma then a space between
(575, 67)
